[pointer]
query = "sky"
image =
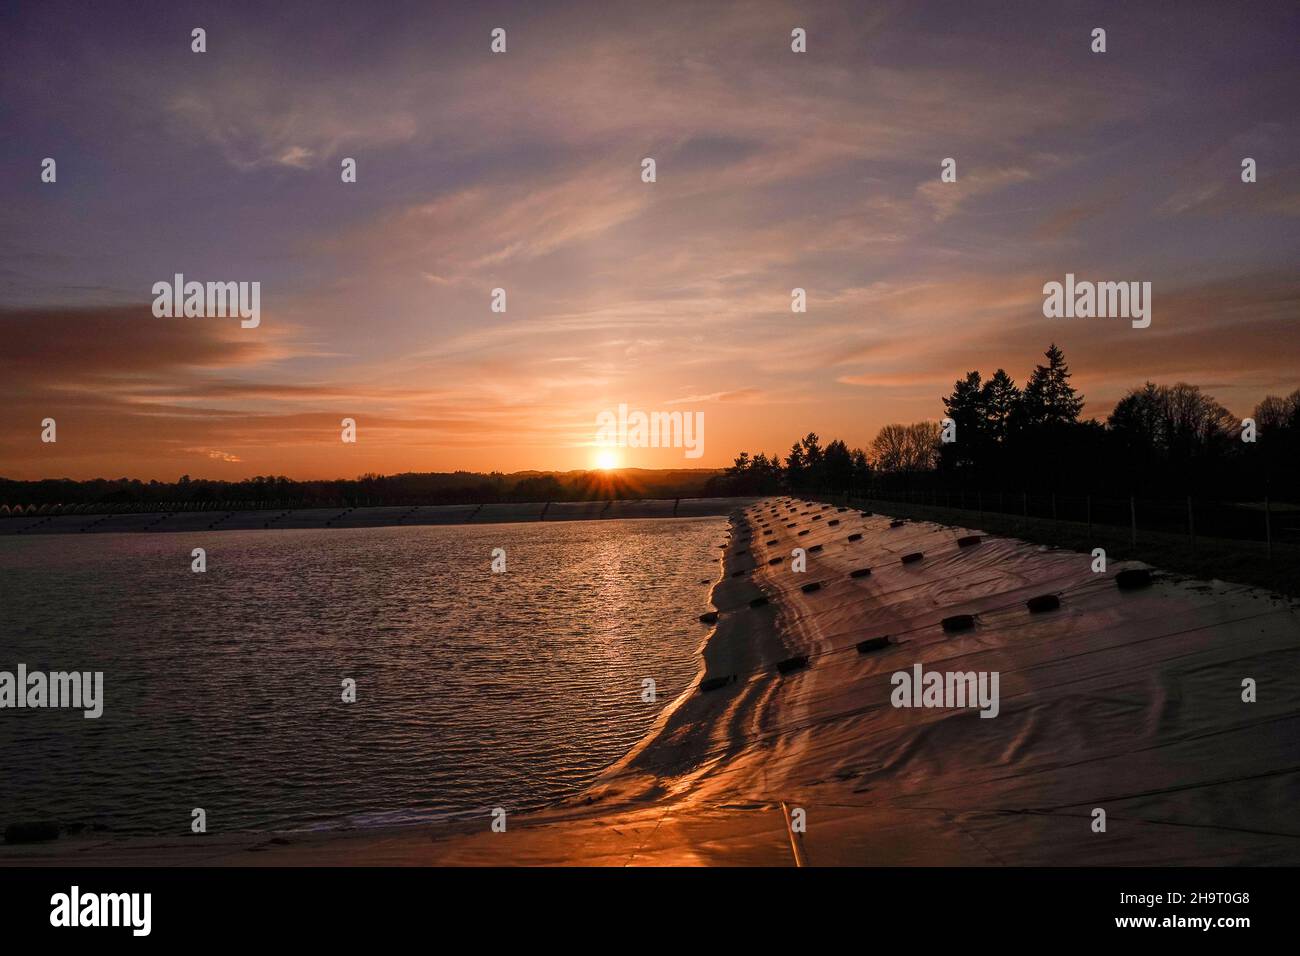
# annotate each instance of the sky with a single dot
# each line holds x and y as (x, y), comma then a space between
(522, 170)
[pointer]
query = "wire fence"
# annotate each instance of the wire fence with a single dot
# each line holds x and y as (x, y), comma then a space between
(1250, 542)
(1261, 521)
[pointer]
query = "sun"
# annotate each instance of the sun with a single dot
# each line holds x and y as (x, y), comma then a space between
(606, 460)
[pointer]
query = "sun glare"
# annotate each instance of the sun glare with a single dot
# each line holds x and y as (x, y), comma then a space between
(605, 460)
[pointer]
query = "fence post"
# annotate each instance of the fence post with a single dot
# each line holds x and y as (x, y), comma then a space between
(1191, 524)
(1268, 528)
(1056, 525)
(1024, 504)
(1133, 520)
(979, 502)
(1090, 517)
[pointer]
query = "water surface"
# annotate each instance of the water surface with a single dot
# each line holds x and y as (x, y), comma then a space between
(222, 689)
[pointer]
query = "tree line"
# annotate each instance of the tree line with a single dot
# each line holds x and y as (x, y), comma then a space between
(1159, 441)
(413, 488)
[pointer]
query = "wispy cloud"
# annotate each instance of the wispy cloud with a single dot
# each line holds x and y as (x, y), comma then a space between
(775, 171)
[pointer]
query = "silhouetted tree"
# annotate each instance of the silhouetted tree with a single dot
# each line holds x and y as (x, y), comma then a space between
(838, 464)
(1001, 403)
(1273, 460)
(795, 473)
(965, 406)
(1171, 437)
(814, 463)
(861, 469)
(1049, 401)
(906, 448)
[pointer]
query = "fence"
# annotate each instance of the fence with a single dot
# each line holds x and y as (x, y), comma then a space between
(1189, 517)
(1252, 543)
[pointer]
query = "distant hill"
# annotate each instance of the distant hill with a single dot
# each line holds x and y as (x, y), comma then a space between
(457, 487)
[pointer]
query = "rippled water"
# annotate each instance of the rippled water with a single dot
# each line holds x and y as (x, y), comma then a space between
(223, 689)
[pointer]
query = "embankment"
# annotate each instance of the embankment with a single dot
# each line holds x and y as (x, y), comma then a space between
(1157, 724)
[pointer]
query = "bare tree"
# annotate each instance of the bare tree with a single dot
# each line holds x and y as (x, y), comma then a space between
(906, 448)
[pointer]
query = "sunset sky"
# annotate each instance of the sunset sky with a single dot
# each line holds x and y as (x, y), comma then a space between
(522, 170)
